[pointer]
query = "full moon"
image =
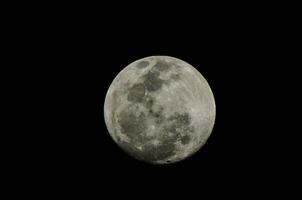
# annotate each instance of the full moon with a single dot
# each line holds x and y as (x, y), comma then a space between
(160, 110)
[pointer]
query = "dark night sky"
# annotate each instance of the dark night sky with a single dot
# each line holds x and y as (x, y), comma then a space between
(78, 56)
(227, 61)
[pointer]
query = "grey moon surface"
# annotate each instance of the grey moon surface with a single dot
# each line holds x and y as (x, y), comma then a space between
(160, 110)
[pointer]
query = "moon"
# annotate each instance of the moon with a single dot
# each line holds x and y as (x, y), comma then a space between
(159, 110)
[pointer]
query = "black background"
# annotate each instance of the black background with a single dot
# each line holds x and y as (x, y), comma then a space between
(74, 54)
(87, 153)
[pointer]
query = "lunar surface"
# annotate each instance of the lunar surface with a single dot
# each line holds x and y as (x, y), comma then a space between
(160, 110)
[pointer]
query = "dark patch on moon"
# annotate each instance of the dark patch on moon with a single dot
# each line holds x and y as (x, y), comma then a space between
(182, 119)
(162, 65)
(157, 115)
(152, 82)
(166, 150)
(142, 64)
(154, 153)
(133, 126)
(185, 139)
(180, 127)
(136, 93)
(173, 128)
